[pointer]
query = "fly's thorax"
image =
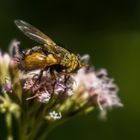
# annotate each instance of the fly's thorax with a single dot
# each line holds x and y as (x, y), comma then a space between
(71, 62)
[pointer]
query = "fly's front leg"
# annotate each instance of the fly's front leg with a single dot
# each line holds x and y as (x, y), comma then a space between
(54, 78)
(66, 79)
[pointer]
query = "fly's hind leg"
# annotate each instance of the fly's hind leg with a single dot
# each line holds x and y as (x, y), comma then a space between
(36, 85)
(37, 79)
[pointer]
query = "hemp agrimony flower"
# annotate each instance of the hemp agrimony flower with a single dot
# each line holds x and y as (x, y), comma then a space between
(43, 101)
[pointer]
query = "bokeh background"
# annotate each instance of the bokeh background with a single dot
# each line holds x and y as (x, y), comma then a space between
(107, 30)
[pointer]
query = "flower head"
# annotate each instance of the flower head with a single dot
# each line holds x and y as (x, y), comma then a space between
(88, 87)
(98, 86)
(55, 115)
(44, 96)
(39, 94)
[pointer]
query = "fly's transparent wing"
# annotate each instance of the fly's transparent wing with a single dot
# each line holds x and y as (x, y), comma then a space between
(36, 35)
(33, 33)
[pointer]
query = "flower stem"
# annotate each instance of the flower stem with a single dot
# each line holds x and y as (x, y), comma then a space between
(9, 125)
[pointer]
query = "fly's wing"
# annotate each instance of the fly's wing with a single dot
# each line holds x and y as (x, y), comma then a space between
(33, 33)
(36, 35)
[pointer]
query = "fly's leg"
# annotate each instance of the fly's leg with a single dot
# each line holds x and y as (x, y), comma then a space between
(36, 86)
(66, 79)
(32, 97)
(37, 80)
(54, 79)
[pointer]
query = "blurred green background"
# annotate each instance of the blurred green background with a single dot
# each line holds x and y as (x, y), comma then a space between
(107, 30)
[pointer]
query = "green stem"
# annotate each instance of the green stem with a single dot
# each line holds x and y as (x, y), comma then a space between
(23, 131)
(46, 132)
(9, 125)
(53, 125)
